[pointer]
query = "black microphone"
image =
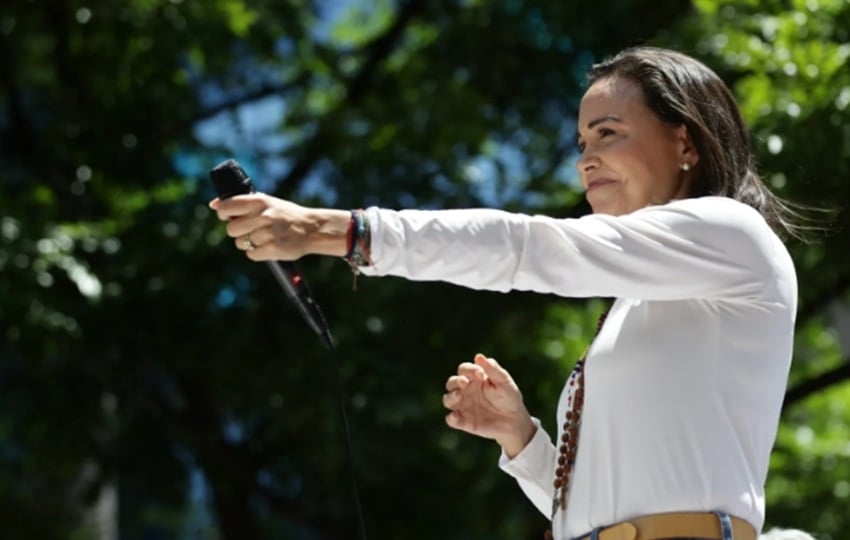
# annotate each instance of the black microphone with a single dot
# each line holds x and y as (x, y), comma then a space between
(230, 179)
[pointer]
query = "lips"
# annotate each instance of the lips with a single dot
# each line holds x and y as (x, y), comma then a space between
(599, 182)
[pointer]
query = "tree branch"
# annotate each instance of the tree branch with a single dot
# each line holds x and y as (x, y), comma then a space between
(57, 15)
(231, 469)
(259, 93)
(23, 142)
(806, 388)
(834, 376)
(812, 307)
(378, 51)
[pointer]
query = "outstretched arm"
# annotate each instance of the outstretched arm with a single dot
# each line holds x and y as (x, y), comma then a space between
(709, 248)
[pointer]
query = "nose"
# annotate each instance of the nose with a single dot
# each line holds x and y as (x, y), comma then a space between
(587, 162)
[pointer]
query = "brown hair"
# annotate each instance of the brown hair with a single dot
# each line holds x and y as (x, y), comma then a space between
(683, 90)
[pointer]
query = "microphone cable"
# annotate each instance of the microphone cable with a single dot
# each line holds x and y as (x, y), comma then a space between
(348, 446)
(230, 179)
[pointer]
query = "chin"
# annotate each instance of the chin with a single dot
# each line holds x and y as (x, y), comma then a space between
(615, 208)
(606, 209)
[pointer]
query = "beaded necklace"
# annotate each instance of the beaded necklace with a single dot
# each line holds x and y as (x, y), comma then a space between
(569, 436)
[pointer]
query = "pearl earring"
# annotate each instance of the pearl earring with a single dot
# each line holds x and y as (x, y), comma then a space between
(686, 166)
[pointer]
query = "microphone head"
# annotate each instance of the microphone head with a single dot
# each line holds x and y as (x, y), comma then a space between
(229, 179)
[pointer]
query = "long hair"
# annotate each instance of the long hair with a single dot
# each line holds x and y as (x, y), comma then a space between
(681, 90)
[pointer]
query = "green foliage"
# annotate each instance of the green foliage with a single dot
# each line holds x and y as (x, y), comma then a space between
(138, 348)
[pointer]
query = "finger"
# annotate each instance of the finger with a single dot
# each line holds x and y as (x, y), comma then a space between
(214, 203)
(456, 420)
(452, 399)
(261, 235)
(245, 243)
(494, 371)
(471, 371)
(247, 224)
(457, 382)
(270, 252)
(262, 253)
(240, 205)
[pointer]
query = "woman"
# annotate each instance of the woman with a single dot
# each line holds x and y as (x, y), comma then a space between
(668, 431)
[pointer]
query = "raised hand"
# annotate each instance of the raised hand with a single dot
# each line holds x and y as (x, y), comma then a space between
(484, 400)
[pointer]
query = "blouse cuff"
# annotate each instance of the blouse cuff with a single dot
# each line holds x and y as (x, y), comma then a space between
(532, 461)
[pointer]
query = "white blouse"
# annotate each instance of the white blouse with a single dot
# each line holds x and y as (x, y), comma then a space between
(683, 385)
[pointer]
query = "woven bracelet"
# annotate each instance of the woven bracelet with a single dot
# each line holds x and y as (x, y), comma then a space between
(358, 242)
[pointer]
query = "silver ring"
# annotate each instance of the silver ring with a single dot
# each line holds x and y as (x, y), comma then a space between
(249, 245)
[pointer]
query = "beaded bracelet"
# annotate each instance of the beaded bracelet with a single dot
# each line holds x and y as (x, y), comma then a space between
(358, 240)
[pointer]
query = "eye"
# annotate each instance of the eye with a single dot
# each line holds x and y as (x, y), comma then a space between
(600, 133)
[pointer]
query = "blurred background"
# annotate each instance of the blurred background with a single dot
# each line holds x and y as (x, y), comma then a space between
(155, 384)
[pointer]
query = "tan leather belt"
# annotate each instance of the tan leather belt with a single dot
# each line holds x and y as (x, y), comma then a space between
(675, 525)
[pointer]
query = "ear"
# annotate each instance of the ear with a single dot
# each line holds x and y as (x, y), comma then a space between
(687, 150)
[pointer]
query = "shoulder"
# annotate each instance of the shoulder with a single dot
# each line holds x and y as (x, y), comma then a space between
(711, 216)
(710, 208)
(728, 225)
(720, 222)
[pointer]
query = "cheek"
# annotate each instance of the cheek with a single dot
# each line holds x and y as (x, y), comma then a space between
(637, 168)
(653, 171)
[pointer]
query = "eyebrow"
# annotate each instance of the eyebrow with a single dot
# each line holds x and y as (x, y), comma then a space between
(596, 121)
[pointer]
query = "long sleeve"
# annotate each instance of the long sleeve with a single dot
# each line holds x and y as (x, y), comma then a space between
(711, 247)
(534, 469)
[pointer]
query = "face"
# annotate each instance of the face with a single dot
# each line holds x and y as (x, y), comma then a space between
(629, 157)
